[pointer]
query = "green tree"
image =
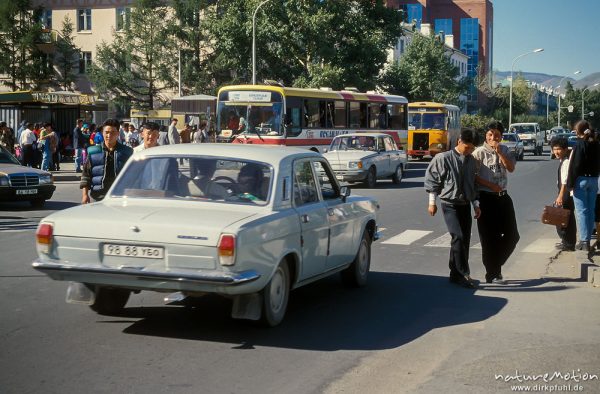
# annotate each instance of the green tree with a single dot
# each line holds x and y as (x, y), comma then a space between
(307, 43)
(67, 56)
(20, 32)
(192, 37)
(424, 73)
(141, 62)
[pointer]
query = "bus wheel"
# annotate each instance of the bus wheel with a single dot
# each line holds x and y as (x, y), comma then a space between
(371, 180)
(397, 177)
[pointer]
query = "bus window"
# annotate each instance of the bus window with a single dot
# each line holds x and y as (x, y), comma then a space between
(383, 117)
(374, 116)
(397, 117)
(340, 113)
(354, 115)
(329, 112)
(363, 115)
(311, 114)
(292, 120)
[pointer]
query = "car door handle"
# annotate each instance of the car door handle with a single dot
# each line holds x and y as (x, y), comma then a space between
(330, 211)
(305, 218)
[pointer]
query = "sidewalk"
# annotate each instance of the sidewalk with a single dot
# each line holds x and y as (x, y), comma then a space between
(67, 173)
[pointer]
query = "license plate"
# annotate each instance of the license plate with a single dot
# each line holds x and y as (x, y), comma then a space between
(339, 177)
(26, 191)
(146, 252)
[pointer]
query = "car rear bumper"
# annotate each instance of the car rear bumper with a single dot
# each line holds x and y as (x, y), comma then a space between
(141, 279)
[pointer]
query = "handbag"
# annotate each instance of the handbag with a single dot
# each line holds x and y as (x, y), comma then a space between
(556, 216)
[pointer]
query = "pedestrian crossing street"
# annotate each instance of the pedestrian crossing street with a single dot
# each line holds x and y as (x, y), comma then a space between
(427, 238)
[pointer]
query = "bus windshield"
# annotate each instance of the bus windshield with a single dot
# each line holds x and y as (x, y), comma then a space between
(423, 121)
(250, 118)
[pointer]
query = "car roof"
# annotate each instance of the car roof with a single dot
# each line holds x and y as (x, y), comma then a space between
(365, 135)
(262, 153)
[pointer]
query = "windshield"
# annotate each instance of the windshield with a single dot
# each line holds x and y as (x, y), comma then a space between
(196, 178)
(7, 158)
(509, 138)
(421, 121)
(522, 129)
(354, 143)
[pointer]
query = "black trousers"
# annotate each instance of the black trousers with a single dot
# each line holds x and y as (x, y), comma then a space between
(568, 235)
(28, 155)
(458, 220)
(498, 232)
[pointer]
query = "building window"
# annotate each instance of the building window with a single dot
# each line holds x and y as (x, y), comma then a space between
(122, 15)
(84, 19)
(46, 19)
(413, 12)
(469, 45)
(85, 62)
(443, 25)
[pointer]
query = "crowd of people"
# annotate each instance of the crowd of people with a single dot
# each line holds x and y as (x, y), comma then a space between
(39, 145)
(467, 176)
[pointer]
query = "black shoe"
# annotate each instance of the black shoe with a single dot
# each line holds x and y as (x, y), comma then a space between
(584, 245)
(565, 247)
(464, 281)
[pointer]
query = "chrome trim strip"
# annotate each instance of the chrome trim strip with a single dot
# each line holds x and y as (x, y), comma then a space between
(210, 277)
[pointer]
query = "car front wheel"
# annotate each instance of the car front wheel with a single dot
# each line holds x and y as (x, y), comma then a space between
(275, 296)
(356, 274)
(371, 180)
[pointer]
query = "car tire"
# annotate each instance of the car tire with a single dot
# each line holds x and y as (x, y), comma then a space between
(522, 156)
(38, 203)
(371, 179)
(110, 301)
(356, 274)
(275, 296)
(398, 174)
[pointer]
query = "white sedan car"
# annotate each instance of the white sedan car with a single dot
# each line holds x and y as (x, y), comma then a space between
(249, 222)
(366, 157)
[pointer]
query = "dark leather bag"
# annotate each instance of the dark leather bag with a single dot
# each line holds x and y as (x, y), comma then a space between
(556, 216)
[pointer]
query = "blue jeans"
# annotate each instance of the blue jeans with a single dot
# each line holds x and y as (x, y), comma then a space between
(78, 157)
(584, 198)
(46, 157)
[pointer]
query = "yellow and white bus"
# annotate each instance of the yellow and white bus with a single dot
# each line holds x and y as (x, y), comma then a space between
(432, 128)
(310, 118)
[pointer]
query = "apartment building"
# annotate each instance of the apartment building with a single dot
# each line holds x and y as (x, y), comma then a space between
(470, 22)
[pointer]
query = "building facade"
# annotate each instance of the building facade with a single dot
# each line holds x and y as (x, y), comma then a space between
(470, 22)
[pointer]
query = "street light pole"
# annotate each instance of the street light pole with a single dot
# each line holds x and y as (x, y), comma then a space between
(254, 41)
(511, 81)
(559, 95)
(582, 103)
(548, 91)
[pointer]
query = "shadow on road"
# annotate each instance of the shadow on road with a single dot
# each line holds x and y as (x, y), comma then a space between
(23, 206)
(393, 310)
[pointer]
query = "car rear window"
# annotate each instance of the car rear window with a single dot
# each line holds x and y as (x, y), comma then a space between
(196, 178)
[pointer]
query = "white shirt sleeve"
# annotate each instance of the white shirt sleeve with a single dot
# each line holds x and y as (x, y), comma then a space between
(564, 172)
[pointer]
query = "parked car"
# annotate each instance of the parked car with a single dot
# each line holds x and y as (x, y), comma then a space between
(514, 144)
(242, 221)
(554, 131)
(531, 135)
(366, 157)
(21, 183)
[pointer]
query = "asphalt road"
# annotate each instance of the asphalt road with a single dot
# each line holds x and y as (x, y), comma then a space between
(409, 318)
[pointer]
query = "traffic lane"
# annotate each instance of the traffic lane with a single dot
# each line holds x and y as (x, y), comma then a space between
(49, 344)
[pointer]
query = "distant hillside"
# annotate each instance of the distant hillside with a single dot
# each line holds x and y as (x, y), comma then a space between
(550, 80)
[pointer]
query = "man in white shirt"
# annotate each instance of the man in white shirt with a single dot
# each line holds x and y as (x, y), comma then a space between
(174, 137)
(27, 139)
(568, 235)
(150, 133)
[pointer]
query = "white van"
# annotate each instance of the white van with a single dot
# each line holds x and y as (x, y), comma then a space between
(531, 135)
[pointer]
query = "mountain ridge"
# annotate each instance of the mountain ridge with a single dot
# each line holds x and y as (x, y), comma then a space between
(550, 80)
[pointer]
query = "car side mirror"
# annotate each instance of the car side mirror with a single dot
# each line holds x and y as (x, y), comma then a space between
(344, 192)
(325, 150)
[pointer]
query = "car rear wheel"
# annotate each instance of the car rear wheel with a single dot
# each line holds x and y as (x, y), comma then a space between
(397, 177)
(110, 301)
(371, 180)
(356, 274)
(275, 296)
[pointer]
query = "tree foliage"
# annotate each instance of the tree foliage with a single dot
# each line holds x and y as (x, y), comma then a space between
(424, 73)
(67, 56)
(308, 43)
(20, 32)
(141, 62)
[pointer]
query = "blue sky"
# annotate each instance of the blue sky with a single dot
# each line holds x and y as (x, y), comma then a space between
(568, 30)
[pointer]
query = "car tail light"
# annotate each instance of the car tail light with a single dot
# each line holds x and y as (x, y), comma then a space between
(44, 236)
(226, 249)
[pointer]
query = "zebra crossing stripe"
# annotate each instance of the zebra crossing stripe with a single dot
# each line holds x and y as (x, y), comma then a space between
(407, 237)
(440, 242)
